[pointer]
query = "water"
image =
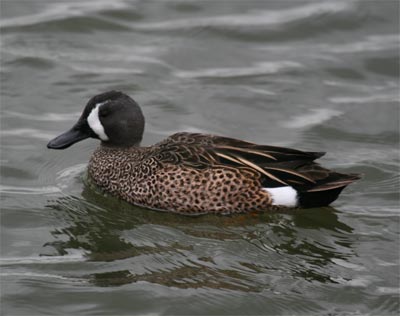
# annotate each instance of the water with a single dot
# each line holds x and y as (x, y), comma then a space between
(313, 75)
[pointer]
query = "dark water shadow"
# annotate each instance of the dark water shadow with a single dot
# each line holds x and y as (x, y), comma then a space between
(299, 243)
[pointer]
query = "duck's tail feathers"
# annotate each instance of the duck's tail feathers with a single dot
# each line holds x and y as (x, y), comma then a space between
(327, 191)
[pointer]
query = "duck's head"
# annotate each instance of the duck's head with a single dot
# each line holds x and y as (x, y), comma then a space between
(113, 117)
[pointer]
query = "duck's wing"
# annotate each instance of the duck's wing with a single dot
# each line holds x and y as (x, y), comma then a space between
(220, 143)
(276, 166)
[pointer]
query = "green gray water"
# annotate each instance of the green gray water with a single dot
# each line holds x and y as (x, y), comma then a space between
(319, 75)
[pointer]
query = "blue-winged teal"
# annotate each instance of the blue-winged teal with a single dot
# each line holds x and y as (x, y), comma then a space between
(195, 173)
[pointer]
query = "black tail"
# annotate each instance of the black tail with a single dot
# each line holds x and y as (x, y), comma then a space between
(327, 192)
(318, 199)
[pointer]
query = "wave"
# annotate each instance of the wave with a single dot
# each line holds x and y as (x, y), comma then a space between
(29, 190)
(61, 11)
(74, 256)
(368, 44)
(366, 99)
(314, 117)
(300, 21)
(254, 18)
(261, 68)
(45, 117)
(27, 132)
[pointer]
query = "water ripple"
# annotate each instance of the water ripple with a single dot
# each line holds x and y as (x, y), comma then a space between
(314, 117)
(313, 75)
(366, 98)
(50, 117)
(28, 132)
(254, 18)
(261, 68)
(29, 190)
(371, 43)
(33, 275)
(62, 10)
(74, 256)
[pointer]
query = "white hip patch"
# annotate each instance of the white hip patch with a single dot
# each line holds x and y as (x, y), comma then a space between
(95, 124)
(285, 196)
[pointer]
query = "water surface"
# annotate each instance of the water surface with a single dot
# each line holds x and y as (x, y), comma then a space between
(313, 75)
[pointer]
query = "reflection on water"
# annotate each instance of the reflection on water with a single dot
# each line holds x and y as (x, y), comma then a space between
(157, 247)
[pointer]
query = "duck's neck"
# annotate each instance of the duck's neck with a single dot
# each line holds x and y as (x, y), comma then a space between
(111, 153)
(110, 146)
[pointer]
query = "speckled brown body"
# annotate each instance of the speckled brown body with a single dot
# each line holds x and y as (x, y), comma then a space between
(172, 176)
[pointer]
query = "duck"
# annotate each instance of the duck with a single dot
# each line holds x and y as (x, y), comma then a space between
(196, 173)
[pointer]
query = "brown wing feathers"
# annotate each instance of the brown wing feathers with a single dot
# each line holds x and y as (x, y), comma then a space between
(284, 166)
(269, 163)
(279, 166)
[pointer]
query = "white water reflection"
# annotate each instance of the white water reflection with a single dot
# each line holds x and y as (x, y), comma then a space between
(29, 190)
(313, 117)
(73, 256)
(261, 68)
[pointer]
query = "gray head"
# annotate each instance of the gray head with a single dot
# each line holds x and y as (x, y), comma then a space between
(113, 117)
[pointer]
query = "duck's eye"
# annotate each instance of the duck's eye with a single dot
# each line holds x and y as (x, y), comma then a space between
(104, 112)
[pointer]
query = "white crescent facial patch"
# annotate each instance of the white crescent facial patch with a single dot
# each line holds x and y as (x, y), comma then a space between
(95, 124)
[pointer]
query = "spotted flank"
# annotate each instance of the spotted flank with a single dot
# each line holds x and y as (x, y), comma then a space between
(193, 173)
